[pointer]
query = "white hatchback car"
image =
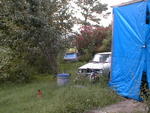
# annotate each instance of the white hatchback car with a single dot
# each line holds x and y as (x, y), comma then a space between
(100, 64)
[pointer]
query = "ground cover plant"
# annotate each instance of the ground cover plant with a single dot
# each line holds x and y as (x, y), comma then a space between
(23, 98)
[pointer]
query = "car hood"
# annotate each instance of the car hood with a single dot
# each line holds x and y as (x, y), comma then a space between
(92, 66)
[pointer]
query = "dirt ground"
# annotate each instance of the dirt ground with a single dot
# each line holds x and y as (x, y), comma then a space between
(127, 106)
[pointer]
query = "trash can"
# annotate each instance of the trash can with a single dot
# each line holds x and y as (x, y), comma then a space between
(63, 79)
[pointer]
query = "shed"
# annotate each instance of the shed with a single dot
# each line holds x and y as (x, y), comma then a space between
(130, 48)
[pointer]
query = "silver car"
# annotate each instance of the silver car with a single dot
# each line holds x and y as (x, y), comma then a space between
(101, 64)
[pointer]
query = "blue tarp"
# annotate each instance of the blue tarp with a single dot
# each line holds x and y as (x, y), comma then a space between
(130, 49)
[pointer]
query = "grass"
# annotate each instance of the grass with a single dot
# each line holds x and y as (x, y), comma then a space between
(70, 67)
(67, 99)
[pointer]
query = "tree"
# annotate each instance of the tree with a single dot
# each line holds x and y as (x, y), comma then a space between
(91, 11)
(92, 35)
(93, 39)
(34, 25)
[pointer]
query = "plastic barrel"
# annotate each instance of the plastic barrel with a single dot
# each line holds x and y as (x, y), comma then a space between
(63, 79)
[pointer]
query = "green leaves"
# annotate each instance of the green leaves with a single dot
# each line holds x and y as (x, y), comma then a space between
(30, 25)
(91, 11)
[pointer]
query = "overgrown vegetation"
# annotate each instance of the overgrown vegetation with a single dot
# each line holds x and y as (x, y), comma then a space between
(68, 99)
(91, 40)
(32, 36)
(33, 31)
(73, 98)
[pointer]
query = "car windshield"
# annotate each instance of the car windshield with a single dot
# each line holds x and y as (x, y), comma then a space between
(102, 58)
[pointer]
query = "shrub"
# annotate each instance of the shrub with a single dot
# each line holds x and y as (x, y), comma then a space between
(16, 72)
(13, 69)
(19, 72)
(86, 57)
(93, 39)
(21, 67)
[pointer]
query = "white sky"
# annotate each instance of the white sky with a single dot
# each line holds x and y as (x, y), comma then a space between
(105, 21)
(114, 2)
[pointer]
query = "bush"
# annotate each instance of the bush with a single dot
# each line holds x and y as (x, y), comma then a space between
(93, 40)
(13, 69)
(21, 67)
(85, 56)
(19, 73)
(106, 44)
(16, 72)
(37, 62)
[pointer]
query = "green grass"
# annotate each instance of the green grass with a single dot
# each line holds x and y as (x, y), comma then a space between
(70, 67)
(23, 98)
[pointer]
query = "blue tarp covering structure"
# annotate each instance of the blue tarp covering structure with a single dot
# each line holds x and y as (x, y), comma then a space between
(131, 48)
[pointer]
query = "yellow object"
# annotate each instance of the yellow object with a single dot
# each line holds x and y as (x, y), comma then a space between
(72, 50)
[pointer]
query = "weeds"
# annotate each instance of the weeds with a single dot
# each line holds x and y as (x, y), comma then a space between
(66, 99)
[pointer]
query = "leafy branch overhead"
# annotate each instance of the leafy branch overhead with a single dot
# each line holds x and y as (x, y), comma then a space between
(35, 32)
(91, 10)
(34, 26)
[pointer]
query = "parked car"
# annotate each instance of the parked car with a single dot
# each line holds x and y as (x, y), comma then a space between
(100, 64)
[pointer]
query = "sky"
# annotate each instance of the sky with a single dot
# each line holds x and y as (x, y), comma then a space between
(105, 21)
(114, 2)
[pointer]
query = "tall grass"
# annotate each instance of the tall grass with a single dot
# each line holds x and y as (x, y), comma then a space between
(67, 99)
(72, 98)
